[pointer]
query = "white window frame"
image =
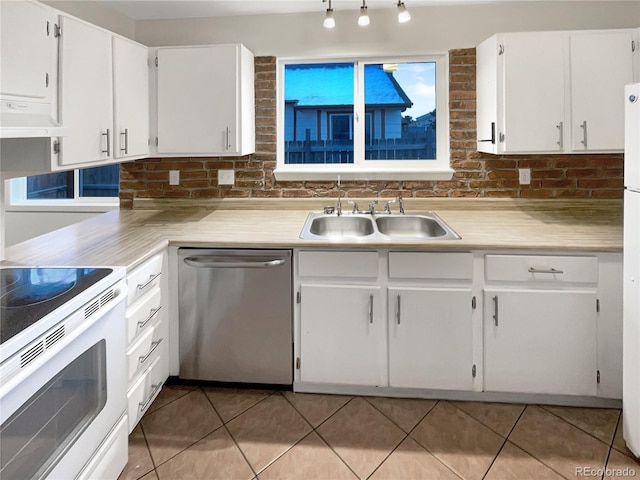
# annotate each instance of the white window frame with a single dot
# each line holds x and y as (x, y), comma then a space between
(361, 169)
(16, 199)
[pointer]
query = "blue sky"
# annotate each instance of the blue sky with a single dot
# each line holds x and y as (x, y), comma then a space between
(418, 81)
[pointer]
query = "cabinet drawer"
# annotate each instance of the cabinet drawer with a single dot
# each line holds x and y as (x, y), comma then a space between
(541, 268)
(143, 392)
(142, 353)
(142, 313)
(144, 278)
(431, 265)
(338, 264)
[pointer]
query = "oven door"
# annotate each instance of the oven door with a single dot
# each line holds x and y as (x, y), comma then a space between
(59, 409)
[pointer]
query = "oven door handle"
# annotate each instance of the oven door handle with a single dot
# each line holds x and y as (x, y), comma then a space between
(154, 345)
(145, 404)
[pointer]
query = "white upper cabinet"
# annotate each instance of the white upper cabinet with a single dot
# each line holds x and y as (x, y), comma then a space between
(131, 99)
(601, 65)
(86, 101)
(535, 91)
(27, 53)
(205, 101)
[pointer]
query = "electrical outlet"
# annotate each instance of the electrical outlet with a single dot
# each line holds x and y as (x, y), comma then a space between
(174, 177)
(525, 176)
(226, 177)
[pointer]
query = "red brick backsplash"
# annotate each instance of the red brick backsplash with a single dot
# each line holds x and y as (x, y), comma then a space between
(476, 174)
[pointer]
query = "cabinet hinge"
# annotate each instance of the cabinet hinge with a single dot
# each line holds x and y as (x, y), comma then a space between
(297, 363)
(46, 80)
(298, 297)
(500, 49)
(598, 305)
(156, 61)
(633, 45)
(57, 30)
(598, 376)
(156, 141)
(473, 371)
(48, 28)
(501, 137)
(56, 147)
(473, 302)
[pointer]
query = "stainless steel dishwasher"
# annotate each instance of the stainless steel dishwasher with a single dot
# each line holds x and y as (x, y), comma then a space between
(235, 315)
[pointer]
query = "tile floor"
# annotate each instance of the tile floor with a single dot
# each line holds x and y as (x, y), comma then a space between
(214, 433)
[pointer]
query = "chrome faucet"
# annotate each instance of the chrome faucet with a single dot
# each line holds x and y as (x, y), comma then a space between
(339, 205)
(387, 206)
(355, 206)
(400, 205)
(372, 207)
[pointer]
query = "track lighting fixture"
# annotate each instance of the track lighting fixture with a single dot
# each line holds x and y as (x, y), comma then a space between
(403, 13)
(363, 19)
(329, 21)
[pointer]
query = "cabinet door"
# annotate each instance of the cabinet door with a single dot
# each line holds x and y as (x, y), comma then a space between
(430, 338)
(540, 341)
(86, 101)
(534, 92)
(197, 98)
(343, 335)
(601, 65)
(131, 98)
(27, 69)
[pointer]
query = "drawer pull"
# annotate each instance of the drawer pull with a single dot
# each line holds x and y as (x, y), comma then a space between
(550, 270)
(398, 311)
(370, 308)
(154, 345)
(145, 404)
(142, 286)
(148, 319)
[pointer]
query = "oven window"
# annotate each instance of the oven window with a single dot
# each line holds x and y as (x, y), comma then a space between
(36, 436)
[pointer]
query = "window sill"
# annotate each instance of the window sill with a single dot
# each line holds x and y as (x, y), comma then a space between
(62, 206)
(328, 172)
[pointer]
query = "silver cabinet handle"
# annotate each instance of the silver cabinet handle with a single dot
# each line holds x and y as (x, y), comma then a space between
(125, 150)
(560, 141)
(152, 314)
(152, 277)
(584, 133)
(550, 270)
(370, 308)
(398, 309)
(227, 142)
(154, 345)
(217, 262)
(495, 310)
(108, 135)
(145, 404)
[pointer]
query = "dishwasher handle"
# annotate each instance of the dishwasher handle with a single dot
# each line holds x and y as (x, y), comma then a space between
(216, 262)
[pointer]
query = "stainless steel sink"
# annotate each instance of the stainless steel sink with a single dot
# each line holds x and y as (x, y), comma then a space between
(415, 226)
(365, 227)
(344, 226)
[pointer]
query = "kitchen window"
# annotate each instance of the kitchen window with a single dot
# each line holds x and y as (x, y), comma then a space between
(82, 187)
(363, 119)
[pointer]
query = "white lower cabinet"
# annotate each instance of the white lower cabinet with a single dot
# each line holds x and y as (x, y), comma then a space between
(147, 335)
(430, 338)
(343, 335)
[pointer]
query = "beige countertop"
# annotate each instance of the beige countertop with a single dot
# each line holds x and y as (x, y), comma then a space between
(128, 237)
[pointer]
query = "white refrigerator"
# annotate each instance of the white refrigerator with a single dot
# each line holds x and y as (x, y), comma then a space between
(631, 330)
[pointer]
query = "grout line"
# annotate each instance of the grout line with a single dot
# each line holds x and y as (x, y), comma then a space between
(395, 423)
(524, 406)
(581, 429)
(506, 439)
(224, 422)
(255, 474)
(144, 437)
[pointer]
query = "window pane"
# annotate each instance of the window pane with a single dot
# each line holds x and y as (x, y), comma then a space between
(100, 181)
(50, 185)
(318, 121)
(400, 102)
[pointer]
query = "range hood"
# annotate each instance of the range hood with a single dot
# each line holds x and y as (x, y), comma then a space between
(24, 119)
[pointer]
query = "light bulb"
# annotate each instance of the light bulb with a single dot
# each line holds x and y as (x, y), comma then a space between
(403, 13)
(329, 21)
(363, 19)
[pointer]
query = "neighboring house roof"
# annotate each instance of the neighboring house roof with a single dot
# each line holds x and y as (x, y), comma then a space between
(331, 84)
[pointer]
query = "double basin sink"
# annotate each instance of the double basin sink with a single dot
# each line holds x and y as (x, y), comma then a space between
(365, 227)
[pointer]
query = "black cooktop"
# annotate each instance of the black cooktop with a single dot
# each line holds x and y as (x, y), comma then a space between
(29, 294)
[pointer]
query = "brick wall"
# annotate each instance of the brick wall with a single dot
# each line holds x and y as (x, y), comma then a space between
(476, 174)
